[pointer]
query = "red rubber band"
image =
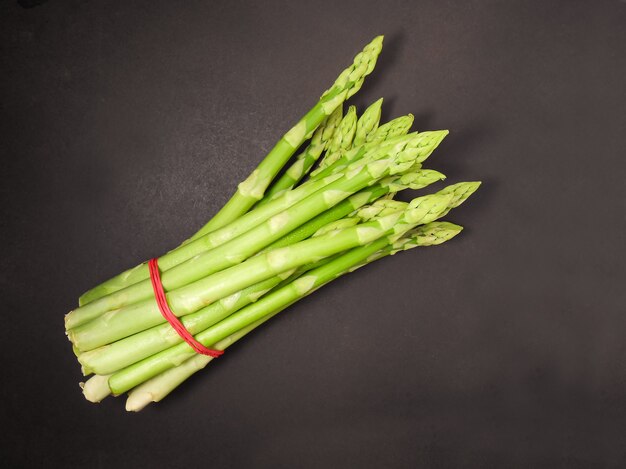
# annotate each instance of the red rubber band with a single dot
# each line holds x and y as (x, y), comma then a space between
(159, 295)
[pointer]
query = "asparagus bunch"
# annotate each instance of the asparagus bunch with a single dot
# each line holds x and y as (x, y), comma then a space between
(276, 241)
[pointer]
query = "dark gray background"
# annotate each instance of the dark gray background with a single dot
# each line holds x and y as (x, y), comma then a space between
(125, 125)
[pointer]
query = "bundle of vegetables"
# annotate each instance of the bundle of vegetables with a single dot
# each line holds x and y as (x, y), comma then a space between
(275, 241)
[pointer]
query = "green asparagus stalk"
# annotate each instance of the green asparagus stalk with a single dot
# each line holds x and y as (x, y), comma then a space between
(304, 161)
(367, 123)
(135, 318)
(423, 209)
(395, 159)
(158, 387)
(458, 194)
(252, 189)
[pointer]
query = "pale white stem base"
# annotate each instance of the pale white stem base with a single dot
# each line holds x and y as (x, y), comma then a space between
(96, 388)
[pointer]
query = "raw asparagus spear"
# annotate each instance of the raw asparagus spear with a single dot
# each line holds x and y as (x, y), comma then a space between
(367, 123)
(394, 159)
(252, 189)
(157, 388)
(305, 160)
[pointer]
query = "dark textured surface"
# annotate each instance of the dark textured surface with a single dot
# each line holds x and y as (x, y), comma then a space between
(125, 125)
